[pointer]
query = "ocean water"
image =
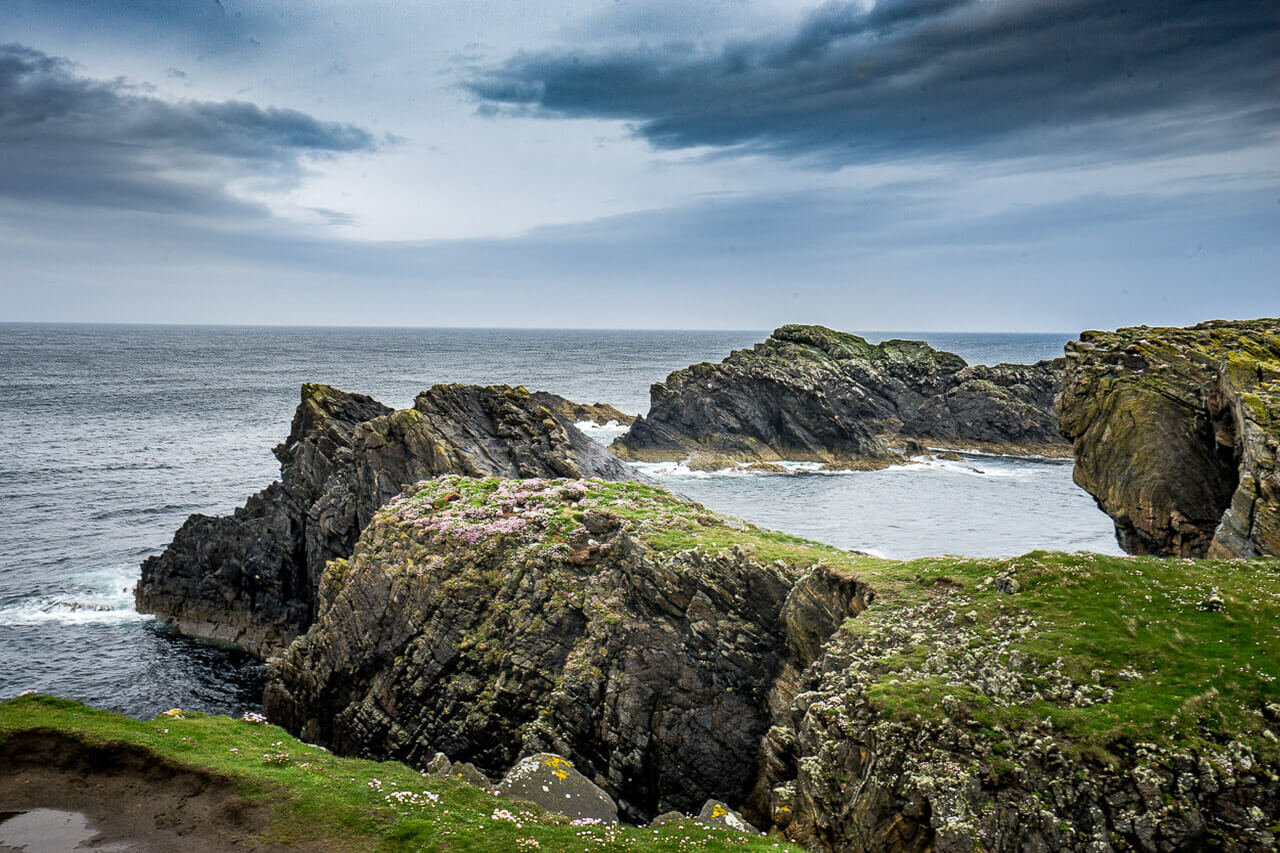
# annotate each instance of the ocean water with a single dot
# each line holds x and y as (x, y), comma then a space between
(113, 435)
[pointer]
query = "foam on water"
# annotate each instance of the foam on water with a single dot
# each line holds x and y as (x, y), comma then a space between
(603, 433)
(98, 598)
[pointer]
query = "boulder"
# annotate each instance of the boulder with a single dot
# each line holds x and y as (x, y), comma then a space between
(469, 773)
(552, 782)
(1175, 434)
(717, 813)
(251, 578)
(810, 393)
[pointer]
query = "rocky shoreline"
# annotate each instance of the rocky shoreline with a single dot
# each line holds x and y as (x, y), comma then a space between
(473, 587)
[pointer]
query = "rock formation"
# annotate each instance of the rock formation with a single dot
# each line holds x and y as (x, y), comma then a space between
(251, 578)
(1175, 433)
(491, 619)
(949, 724)
(809, 393)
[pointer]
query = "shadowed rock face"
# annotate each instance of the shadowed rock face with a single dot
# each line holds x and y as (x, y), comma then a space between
(494, 619)
(1175, 434)
(811, 393)
(251, 578)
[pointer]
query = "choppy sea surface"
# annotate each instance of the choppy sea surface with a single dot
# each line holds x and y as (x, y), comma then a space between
(113, 435)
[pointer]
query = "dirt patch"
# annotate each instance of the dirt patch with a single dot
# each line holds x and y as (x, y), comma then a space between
(131, 796)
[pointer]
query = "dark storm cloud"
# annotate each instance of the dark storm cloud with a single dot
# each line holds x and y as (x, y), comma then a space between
(70, 139)
(1076, 77)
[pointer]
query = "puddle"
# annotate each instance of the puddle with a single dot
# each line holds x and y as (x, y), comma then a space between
(50, 831)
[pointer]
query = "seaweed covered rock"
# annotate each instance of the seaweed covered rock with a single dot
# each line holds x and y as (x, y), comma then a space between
(815, 394)
(637, 635)
(1099, 707)
(251, 578)
(1175, 433)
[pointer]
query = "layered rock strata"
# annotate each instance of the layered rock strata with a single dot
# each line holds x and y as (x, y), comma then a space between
(252, 578)
(810, 393)
(1175, 433)
(641, 637)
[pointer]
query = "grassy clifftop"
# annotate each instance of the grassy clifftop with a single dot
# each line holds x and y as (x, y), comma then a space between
(318, 801)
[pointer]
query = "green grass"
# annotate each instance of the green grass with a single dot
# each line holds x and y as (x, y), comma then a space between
(325, 802)
(1180, 675)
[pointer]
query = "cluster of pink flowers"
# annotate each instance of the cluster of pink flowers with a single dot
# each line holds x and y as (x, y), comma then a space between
(517, 508)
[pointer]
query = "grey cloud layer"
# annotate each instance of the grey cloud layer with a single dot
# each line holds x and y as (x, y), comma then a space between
(910, 77)
(70, 139)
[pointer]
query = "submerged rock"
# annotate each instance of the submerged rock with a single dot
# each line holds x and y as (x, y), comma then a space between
(251, 578)
(1175, 433)
(609, 623)
(810, 393)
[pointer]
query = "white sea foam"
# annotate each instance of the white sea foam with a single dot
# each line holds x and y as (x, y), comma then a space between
(104, 598)
(603, 433)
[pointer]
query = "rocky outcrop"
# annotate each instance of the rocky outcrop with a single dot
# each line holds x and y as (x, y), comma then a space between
(637, 635)
(810, 393)
(1175, 433)
(251, 578)
(947, 722)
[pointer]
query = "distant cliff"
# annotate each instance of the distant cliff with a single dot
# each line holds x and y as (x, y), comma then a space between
(251, 578)
(810, 393)
(1175, 433)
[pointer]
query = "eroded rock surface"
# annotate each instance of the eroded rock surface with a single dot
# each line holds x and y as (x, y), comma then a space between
(944, 723)
(609, 623)
(811, 393)
(251, 578)
(1175, 433)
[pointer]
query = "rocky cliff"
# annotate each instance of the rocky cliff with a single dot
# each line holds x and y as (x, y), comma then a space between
(1045, 702)
(1175, 433)
(814, 394)
(636, 634)
(251, 578)
(1048, 702)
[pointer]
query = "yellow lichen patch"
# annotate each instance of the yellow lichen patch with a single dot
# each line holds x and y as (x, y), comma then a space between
(559, 766)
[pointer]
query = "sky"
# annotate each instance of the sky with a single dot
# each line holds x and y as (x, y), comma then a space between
(925, 165)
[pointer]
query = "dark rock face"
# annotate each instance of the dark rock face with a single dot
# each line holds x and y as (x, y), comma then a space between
(494, 619)
(251, 578)
(811, 393)
(1175, 434)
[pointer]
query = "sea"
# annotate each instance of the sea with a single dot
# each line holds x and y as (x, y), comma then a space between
(112, 435)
